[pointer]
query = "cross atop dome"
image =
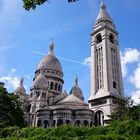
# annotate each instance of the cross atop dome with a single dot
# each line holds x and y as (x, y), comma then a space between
(21, 80)
(51, 47)
(76, 80)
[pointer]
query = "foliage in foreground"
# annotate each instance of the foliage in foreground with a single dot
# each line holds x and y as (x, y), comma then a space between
(128, 111)
(31, 4)
(10, 111)
(125, 130)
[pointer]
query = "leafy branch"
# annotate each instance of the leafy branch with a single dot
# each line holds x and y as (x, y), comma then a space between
(32, 4)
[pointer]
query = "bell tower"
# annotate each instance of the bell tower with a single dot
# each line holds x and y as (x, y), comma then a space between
(106, 76)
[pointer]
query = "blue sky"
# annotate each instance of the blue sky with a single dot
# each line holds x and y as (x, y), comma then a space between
(25, 38)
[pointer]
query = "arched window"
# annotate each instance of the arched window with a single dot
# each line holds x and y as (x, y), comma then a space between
(51, 86)
(91, 124)
(44, 94)
(99, 38)
(67, 122)
(111, 38)
(39, 123)
(28, 108)
(59, 87)
(46, 124)
(55, 86)
(37, 94)
(78, 123)
(31, 94)
(114, 84)
(99, 118)
(86, 123)
(54, 123)
(60, 122)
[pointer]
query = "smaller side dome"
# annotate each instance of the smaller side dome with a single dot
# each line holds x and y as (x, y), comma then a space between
(76, 90)
(20, 90)
(40, 82)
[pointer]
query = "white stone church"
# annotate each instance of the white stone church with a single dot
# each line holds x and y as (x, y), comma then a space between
(49, 106)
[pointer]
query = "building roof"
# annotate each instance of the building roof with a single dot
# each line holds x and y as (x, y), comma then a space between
(103, 14)
(73, 100)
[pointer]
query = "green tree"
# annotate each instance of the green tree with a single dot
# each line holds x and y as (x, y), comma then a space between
(10, 111)
(31, 4)
(126, 111)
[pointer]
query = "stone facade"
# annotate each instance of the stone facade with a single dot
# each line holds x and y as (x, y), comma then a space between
(48, 106)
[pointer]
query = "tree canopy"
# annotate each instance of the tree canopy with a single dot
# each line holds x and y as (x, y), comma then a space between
(126, 111)
(31, 4)
(10, 111)
(122, 130)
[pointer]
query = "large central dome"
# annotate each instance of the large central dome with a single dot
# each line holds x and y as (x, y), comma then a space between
(50, 61)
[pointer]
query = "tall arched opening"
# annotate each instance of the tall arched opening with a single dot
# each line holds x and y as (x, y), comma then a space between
(99, 118)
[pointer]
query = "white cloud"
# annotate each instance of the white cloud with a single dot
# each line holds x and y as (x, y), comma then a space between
(127, 57)
(10, 81)
(87, 61)
(135, 78)
(136, 97)
(131, 55)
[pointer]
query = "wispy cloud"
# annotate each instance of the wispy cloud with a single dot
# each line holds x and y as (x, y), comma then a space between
(87, 61)
(37, 52)
(62, 58)
(6, 47)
